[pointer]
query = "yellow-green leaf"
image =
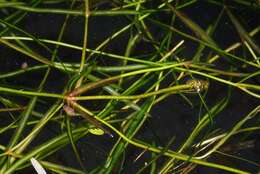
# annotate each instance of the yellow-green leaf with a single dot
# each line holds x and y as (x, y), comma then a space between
(96, 131)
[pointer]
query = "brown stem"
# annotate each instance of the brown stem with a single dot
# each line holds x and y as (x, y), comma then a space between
(89, 86)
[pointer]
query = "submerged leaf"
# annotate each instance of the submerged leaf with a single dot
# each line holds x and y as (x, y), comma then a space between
(242, 32)
(194, 27)
(37, 166)
(96, 131)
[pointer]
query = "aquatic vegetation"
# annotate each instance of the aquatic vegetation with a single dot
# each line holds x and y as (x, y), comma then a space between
(133, 86)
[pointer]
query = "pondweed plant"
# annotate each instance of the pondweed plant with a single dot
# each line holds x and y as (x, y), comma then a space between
(133, 86)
